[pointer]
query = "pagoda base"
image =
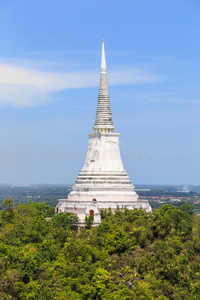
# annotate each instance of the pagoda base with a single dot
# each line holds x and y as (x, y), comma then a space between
(92, 208)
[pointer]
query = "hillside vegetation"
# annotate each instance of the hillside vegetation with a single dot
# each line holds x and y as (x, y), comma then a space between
(131, 255)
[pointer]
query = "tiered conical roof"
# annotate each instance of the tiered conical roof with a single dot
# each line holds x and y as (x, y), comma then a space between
(103, 122)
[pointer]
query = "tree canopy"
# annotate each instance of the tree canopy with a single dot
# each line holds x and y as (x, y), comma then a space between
(131, 255)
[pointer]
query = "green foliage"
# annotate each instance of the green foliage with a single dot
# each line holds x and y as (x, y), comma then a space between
(88, 221)
(170, 220)
(131, 255)
(8, 213)
(64, 220)
(8, 203)
(187, 207)
(43, 208)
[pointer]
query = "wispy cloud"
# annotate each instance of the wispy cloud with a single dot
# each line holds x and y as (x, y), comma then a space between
(25, 87)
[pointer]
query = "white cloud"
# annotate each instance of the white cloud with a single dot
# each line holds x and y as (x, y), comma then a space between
(27, 87)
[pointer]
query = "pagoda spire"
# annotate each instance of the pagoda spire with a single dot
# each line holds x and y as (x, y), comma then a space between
(103, 122)
(103, 58)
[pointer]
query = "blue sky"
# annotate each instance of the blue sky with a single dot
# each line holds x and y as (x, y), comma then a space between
(49, 76)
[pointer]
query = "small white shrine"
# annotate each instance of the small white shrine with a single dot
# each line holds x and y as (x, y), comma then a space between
(103, 182)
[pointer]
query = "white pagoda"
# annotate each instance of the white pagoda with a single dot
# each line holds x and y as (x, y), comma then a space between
(103, 182)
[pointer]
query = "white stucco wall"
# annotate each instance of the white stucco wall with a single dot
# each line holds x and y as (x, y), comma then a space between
(103, 153)
(82, 209)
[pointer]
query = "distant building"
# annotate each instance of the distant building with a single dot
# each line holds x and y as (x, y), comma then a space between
(175, 200)
(103, 182)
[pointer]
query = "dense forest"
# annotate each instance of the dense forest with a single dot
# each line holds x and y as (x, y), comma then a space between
(131, 255)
